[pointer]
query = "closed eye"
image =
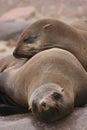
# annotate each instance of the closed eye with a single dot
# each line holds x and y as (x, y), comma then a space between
(30, 39)
(56, 95)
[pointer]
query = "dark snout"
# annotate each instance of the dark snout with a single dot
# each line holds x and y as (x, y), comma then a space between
(45, 113)
(20, 54)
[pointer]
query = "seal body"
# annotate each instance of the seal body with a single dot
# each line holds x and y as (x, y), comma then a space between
(10, 61)
(51, 83)
(50, 33)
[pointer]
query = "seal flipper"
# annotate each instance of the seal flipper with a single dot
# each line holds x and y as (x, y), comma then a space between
(9, 107)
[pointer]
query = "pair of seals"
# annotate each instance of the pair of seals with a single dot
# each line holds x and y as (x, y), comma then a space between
(51, 83)
(50, 33)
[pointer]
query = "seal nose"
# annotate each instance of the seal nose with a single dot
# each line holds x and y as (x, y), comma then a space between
(43, 104)
(14, 53)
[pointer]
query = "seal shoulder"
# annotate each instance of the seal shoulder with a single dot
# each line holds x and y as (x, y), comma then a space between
(10, 61)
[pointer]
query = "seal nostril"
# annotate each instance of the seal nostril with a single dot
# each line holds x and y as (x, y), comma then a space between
(43, 104)
(14, 53)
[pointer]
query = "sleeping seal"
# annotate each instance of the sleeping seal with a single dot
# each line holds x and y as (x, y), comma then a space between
(50, 84)
(50, 33)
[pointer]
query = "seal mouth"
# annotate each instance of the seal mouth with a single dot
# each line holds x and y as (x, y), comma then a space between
(47, 115)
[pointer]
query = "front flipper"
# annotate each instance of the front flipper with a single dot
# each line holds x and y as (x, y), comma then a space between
(9, 107)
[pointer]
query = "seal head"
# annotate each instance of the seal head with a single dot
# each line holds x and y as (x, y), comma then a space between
(49, 103)
(50, 33)
(39, 36)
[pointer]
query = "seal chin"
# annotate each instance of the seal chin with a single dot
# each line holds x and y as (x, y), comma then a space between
(45, 113)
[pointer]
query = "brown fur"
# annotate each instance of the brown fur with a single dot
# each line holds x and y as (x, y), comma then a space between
(50, 33)
(50, 71)
(10, 61)
(81, 25)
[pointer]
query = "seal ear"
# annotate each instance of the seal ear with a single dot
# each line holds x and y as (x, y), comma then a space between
(47, 26)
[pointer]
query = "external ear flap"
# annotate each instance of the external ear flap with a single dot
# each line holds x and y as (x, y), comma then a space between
(47, 26)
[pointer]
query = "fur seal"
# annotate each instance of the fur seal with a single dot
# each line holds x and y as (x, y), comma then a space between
(50, 33)
(51, 83)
